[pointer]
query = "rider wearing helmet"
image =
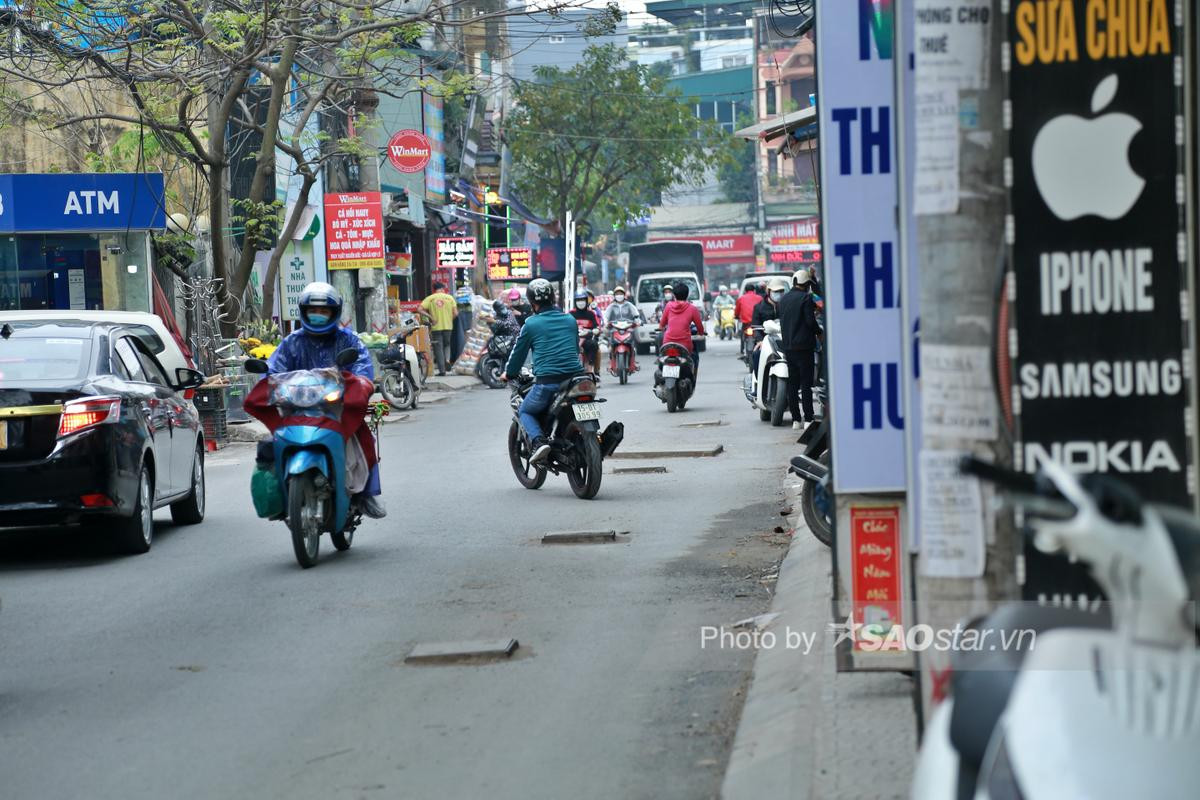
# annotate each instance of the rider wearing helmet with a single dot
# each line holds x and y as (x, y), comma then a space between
(678, 319)
(520, 306)
(506, 322)
(744, 307)
(550, 334)
(320, 338)
(586, 319)
(722, 299)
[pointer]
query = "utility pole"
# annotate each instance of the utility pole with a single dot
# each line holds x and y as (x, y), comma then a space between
(568, 290)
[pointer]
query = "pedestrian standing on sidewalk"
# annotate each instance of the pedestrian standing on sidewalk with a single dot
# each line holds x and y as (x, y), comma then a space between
(440, 309)
(799, 332)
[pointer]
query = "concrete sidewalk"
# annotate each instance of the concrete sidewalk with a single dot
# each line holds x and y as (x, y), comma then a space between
(807, 731)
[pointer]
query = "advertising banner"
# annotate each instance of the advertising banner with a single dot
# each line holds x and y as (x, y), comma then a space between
(733, 248)
(81, 202)
(354, 230)
(859, 245)
(509, 263)
(796, 241)
(1099, 290)
(409, 150)
(435, 170)
(296, 271)
(875, 555)
(456, 253)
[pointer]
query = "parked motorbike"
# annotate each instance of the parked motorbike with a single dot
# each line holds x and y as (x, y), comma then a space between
(572, 422)
(314, 455)
(402, 370)
(766, 389)
(1105, 705)
(675, 377)
(621, 360)
(490, 367)
(726, 322)
(816, 496)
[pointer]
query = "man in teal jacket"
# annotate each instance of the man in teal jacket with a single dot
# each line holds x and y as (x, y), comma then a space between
(551, 335)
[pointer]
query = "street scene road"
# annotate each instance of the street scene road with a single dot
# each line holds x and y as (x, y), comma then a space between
(214, 666)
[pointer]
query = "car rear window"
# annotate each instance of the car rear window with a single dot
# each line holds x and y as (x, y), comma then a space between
(650, 290)
(41, 358)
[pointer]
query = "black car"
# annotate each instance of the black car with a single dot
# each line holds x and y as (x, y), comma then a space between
(92, 430)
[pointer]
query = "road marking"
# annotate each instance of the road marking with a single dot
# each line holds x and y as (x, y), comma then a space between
(646, 470)
(709, 453)
(474, 650)
(708, 423)
(580, 537)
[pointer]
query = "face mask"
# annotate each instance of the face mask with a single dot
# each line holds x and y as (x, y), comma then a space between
(723, 294)
(581, 304)
(668, 298)
(318, 317)
(618, 298)
(776, 296)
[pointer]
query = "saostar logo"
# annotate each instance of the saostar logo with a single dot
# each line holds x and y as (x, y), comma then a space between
(1081, 166)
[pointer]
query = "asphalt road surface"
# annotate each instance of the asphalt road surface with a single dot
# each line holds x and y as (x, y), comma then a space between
(214, 667)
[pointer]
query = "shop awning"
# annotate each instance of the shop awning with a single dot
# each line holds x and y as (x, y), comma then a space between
(781, 125)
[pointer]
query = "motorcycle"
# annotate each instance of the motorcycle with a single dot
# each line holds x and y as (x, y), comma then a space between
(675, 378)
(621, 361)
(816, 496)
(747, 346)
(766, 388)
(490, 367)
(572, 422)
(402, 370)
(1096, 707)
(586, 335)
(314, 456)
(726, 322)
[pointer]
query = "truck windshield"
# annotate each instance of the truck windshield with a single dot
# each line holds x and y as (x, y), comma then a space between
(650, 289)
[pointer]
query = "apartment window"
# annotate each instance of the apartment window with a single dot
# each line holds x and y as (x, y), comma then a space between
(557, 38)
(770, 92)
(733, 61)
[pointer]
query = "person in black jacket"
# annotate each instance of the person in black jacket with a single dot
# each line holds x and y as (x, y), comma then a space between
(799, 332)
(768, 309)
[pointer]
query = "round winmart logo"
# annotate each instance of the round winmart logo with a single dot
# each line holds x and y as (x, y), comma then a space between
(409, 150)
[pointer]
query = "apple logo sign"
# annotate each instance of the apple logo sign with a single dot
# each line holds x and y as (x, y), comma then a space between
(1081, 166)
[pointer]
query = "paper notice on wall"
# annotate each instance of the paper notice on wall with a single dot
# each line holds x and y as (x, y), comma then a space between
(952, 536)
(957, 400)
(76, 289)
(935, 188)
(952, 42)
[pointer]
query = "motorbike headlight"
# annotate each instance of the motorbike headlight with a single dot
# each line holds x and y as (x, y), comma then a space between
(333, 396)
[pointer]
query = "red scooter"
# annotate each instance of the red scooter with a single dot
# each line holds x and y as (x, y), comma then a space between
(621, 351)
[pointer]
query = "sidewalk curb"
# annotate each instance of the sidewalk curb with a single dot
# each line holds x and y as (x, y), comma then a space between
(805, 730)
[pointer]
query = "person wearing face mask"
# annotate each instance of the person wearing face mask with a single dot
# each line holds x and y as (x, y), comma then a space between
(622, 310)
(315, 345)
(768, 309)
(680, 320)
(586, 320)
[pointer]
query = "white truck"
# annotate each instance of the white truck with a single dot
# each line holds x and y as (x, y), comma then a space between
(654, 265)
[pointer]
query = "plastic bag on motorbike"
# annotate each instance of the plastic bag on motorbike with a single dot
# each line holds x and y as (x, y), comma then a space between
(357, 470)
(308, 393)
(266, 492)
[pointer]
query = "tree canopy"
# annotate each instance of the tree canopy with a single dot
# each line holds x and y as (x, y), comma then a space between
(605, 137)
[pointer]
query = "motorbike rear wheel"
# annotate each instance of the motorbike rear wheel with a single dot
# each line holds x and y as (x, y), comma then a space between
(623, 368)
(672, 399)
(585, 477)
(304, 506)
(528, 475)
(490, 370)
(398, 389)
(779, 401)
(812, 496)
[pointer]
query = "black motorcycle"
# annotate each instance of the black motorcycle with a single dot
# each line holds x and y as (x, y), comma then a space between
(816, 497)
(572, 422)
(674, 376)
(490, 367)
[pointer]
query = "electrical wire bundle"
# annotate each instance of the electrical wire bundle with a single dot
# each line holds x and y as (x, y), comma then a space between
(791, 19)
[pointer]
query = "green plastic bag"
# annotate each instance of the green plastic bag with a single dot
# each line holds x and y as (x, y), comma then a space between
(266, 492)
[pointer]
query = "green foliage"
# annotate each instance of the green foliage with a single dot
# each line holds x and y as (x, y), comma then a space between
(605, 138)
(259, 219)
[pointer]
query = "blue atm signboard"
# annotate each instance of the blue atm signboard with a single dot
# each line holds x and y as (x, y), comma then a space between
(862, 259)
(65, 202)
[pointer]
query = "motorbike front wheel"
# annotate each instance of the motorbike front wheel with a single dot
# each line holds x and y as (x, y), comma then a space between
(529, 475)
(585, 476)
(304, 518)
(490, 371)
(398, 389)
(816, 504)
(623, 368)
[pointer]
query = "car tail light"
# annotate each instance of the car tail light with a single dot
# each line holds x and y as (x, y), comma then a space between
(96, 501)
(583, 389)
(78, 415)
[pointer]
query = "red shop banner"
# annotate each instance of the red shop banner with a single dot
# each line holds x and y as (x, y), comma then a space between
(734, 248)
(875, 571)
(354, 230)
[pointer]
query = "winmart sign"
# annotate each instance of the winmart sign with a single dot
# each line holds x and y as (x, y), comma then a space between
(409, 150)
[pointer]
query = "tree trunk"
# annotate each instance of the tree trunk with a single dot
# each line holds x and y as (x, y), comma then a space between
(289, 230)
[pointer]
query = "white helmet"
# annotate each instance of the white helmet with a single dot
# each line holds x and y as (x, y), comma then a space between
(723, 288)
(801, 277)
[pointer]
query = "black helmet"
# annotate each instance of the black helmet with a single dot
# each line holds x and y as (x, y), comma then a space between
(681, 291)
(540, 292)
(499, 308)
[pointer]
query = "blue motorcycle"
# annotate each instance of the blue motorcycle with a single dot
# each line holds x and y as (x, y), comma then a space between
(302, 472)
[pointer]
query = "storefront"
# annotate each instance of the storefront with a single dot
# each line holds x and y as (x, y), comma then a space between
(78, 241)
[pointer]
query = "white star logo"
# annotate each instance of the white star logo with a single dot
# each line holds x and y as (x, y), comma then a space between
(844, 630)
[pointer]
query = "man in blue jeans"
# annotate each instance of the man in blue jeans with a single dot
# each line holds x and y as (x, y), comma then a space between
(551, 335)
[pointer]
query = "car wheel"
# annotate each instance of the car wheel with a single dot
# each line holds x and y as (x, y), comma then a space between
(134, 534)
(190, 510)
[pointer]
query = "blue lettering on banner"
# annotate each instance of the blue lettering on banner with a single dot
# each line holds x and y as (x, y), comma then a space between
(869, 384)
(874, 138)
(877, 25)
(879, 288)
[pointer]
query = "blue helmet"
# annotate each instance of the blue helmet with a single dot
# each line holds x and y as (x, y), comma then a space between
(320, 295)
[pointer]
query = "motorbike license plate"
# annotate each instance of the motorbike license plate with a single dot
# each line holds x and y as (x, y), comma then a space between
(586, 411)
(670, 370)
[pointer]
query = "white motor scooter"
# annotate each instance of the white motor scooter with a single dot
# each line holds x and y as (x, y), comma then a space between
(766, 388)
(1094, 708)
(402, 369)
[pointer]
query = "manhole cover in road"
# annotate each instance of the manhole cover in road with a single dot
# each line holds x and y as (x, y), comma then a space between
(646, 470)
(453, 652)
(581, 537)
(704, 453)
